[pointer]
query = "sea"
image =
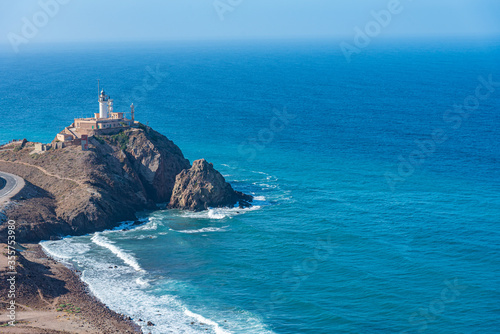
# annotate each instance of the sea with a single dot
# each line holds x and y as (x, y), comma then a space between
(376, 181)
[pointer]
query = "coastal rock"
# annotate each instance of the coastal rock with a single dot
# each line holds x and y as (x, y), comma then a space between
(157, 161)
(73, 192)
(69, 191)
(202, 187)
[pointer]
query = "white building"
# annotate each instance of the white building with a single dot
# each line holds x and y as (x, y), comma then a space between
(106, 118)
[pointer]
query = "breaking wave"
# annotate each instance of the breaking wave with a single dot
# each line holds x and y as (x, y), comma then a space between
(218, 213)
(204, 230)
(201, 319)
(130, 293)
(102, 241)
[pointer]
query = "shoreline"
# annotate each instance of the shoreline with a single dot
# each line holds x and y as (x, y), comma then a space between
(51, 298)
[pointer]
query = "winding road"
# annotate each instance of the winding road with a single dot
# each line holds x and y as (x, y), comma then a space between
(13, 185)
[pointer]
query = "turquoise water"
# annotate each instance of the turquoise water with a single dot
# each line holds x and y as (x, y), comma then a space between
(344, 237)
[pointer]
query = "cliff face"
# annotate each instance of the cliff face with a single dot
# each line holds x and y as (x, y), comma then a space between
(72, 192)
(157, 161)
(201, 187)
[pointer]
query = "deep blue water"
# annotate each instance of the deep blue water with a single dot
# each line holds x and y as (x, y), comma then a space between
(355, 228)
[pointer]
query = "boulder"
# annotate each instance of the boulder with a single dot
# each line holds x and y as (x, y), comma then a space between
(201, 187)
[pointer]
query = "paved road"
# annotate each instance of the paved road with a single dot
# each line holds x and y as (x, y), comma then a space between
(13, 185)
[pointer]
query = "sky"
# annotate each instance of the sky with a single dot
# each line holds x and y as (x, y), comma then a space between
(159, 20)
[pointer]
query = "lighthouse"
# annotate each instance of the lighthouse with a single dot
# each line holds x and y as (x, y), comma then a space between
(103, 105)
(106, 121)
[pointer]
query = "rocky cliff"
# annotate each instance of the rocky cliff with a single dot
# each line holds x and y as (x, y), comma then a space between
(70, 191)
(201, 187)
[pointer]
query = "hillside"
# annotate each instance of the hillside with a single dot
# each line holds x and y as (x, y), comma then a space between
(72, 192)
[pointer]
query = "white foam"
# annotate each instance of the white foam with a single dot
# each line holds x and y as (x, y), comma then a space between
(259, 198)
(142, 282)
(140, 237)
(126, 297)
(203, 230)
(65, 249)
(129, 292)
(102, 241)
(204, 320)
(257, 172)
(152, 225)
(268, 176)
(218, 213)
(265, 186)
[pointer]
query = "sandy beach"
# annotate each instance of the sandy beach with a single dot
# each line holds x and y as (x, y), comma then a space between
(50, 298)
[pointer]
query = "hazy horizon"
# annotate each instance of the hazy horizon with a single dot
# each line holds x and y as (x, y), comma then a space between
(128, 21)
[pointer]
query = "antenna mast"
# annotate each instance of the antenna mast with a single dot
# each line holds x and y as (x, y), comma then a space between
(98, 92)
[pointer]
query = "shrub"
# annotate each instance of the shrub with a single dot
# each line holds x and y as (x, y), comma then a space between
(99, 139)
(121, 139)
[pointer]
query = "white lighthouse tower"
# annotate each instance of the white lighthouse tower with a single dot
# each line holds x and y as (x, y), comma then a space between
(103, 105)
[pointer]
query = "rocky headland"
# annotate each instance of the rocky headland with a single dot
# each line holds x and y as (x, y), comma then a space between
(73, 192)
(201, 187)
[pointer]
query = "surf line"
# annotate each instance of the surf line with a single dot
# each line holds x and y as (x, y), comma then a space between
(106, 243)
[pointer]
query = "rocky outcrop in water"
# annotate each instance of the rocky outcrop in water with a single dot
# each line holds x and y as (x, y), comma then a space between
(72, 192)
(202, 187)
